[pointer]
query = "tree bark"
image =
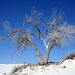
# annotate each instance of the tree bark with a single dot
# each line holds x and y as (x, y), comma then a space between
(41, 62)
(47, 54)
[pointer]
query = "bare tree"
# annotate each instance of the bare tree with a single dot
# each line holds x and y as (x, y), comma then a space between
(56, 33)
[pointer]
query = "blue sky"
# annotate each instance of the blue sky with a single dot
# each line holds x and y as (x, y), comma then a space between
(14, 11)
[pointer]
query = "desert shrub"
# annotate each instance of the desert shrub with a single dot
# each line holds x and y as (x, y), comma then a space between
(18, 69)
(14, 70)
(70, 56)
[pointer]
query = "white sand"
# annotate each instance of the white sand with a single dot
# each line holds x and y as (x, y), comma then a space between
(42, 70)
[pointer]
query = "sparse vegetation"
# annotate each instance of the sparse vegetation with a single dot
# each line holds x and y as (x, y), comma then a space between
(14, 70)
(19, 68)
(70, 56)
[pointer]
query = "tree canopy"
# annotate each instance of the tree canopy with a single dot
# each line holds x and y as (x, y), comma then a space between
(53, 31)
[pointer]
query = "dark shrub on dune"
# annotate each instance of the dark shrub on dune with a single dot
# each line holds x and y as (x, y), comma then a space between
(70, 56)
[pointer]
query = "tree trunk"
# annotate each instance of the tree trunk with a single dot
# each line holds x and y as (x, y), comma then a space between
(41, 62)
(39, 54)
(47, 54)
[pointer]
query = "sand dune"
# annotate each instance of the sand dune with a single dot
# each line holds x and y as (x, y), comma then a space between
(65, 68)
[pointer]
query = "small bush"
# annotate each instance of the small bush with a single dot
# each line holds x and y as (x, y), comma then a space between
(18, 68)
(70, 56)
(14, 70)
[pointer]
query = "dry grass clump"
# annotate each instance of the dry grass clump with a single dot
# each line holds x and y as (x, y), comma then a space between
(18, 69)
(70, 56)
(64, 66)
(15, 69)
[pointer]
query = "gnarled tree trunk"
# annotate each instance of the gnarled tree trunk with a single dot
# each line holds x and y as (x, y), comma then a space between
(39, 54)
(47, 54)
(41, 62)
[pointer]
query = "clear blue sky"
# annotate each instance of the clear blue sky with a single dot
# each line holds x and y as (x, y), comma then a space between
(14, 11)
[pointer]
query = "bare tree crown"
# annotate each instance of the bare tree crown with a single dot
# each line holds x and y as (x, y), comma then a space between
(57, 32)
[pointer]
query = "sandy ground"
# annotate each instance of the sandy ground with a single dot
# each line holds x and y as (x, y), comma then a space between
(66, 68)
